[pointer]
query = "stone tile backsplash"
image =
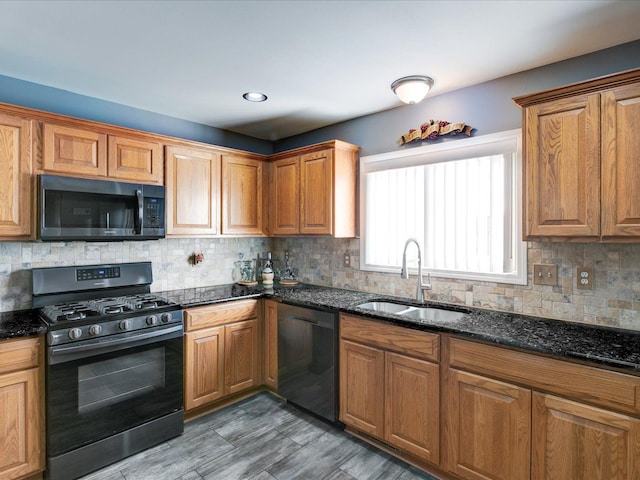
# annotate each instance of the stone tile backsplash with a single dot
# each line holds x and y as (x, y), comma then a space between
(170, 258)
(614, 300)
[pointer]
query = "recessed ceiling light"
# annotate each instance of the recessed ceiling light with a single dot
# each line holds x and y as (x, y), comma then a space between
(254, 96)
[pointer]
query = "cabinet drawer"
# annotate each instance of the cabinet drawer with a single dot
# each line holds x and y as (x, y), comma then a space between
(19, 354)
(220, 314)
(587, 384)
(391, 337)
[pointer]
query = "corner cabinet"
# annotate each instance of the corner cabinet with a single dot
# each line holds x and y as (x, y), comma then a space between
(16, 183)
(580, 161)
(222, 352)
(390, 385)
(22, 407)
(313, 191)
(193, 190)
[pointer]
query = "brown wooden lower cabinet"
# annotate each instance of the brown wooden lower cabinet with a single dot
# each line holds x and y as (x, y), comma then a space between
(574, 441)
(412, 405)
(204, 363)
(502, 425)
(362, 387)
(222, 351)
(240, 356)
(390, 385)
(271, 344)
(21, 409)
(490, 425)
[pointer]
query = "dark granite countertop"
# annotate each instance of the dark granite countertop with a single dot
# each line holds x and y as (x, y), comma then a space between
(20, 323)
(608, 347)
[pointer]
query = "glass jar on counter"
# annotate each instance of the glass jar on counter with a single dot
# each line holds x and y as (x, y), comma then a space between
(244, 272)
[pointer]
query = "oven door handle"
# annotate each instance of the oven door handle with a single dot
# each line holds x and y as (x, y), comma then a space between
(68, 353)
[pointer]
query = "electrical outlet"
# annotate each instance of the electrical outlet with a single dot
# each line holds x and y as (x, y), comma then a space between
(584, 278)
(346, 260)
(545, 274)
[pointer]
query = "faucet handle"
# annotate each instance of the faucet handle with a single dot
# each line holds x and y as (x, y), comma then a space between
(426, 286)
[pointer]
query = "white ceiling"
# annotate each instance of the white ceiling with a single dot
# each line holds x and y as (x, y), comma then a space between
(319, 62)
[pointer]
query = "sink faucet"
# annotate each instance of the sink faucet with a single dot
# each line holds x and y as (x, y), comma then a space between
(404, 273)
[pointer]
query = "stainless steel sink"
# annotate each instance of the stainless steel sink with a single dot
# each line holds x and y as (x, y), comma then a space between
(416, 313)
(433, 314)
(385, 307)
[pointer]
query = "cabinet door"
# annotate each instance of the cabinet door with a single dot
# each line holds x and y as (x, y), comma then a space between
(135, 160)
(74, 151)
(412, 406)
(241, 356)
(193, 188)
(316, 192)
(271, 344)
(362, 387)
(204, 366)
(490, 427)
(621, 161)
(285, 197)
(562, 168)
(572, 441)
(241, 196)
(15, 185)
(20, 452)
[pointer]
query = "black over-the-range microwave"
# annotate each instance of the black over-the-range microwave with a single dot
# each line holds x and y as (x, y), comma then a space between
(72, 208)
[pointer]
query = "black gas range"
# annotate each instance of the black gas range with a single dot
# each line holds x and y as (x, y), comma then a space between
(77, 321)
(114, 365)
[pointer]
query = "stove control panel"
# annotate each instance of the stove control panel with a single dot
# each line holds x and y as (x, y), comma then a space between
(97, 273)
(92, 331)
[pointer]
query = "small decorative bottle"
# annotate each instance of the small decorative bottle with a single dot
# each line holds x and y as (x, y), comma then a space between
(267, 271)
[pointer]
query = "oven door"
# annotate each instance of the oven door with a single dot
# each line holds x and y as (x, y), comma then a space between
(101, 387)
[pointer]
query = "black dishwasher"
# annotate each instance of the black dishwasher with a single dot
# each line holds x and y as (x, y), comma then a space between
(307, 357)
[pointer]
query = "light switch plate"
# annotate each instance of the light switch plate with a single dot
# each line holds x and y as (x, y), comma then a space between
(545, 274)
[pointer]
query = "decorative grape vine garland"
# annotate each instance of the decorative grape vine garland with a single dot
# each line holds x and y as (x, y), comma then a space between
(433, 129)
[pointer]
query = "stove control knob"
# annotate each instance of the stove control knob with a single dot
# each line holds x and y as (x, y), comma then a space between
(95, 330)
(75, 333)
(166, 317)
(152, 320)
(125, 325)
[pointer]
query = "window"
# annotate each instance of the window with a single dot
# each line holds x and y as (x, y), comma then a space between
(460, 199)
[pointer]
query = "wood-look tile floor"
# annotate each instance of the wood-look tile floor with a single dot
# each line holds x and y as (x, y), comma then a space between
(261, 438)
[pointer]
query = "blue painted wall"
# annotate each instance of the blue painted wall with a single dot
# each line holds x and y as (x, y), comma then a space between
(487, 106)
(41, 97)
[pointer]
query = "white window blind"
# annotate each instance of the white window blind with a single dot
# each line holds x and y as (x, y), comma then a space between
(461, 201)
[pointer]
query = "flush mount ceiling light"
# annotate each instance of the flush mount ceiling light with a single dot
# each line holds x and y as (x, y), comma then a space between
(412, 89)
(254, 96)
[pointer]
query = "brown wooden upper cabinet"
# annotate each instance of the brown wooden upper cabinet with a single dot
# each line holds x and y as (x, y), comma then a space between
(313, 191)
(193, 191)
(580, 161)
(77, 150)
(135, 159)
(242, 179)
(15, 183)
